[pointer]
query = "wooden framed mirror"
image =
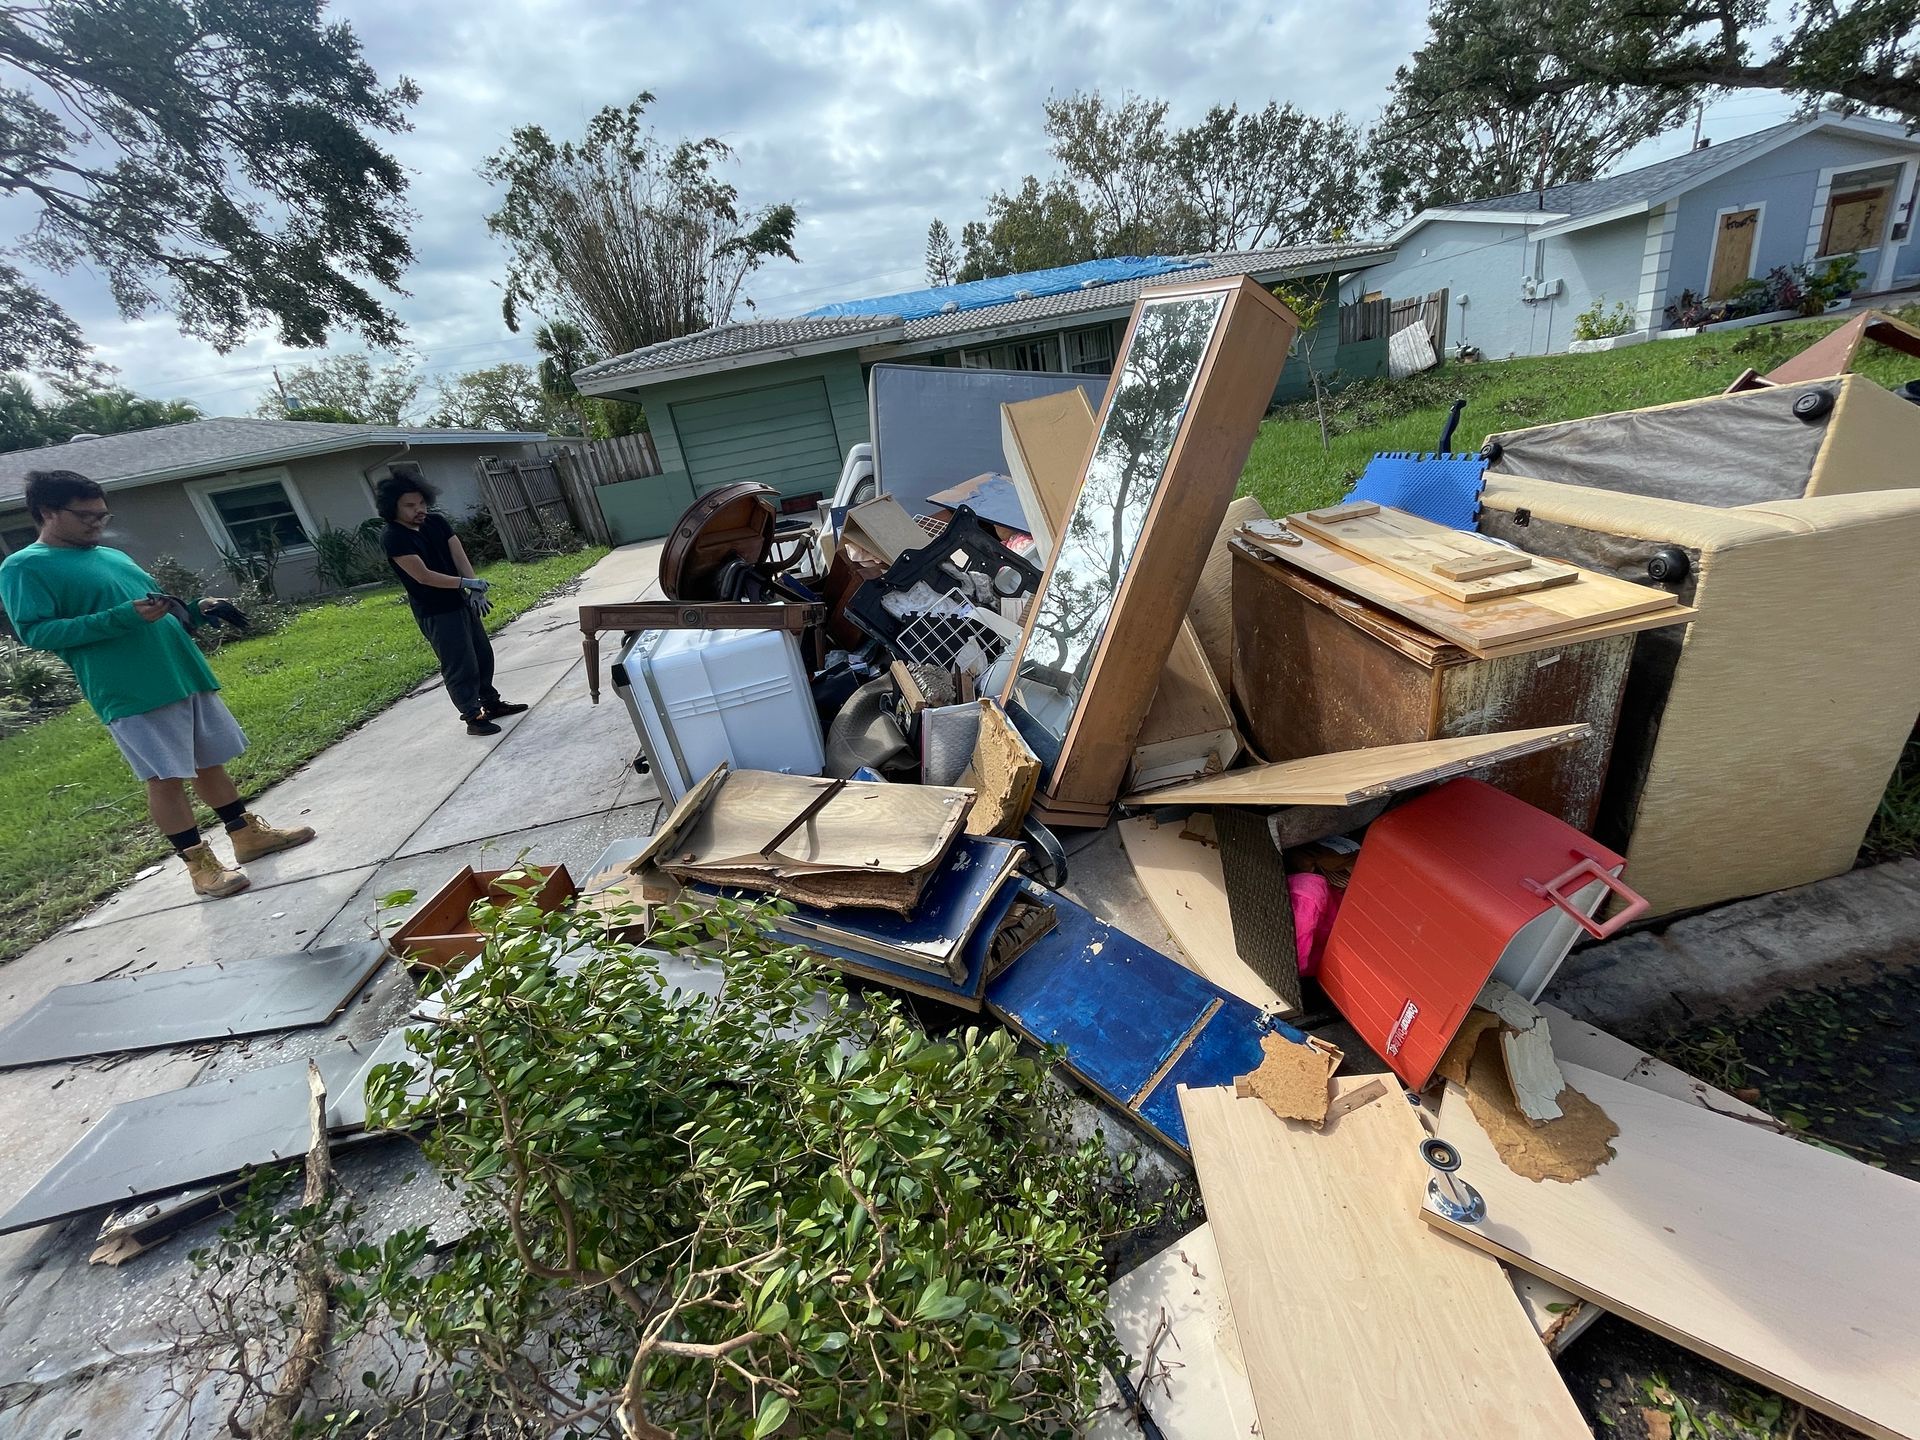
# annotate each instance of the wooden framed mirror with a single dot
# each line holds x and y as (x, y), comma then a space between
(1188, 392)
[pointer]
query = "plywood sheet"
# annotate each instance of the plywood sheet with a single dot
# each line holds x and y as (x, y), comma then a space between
(1189, 702)
(211, 1001)
(1353, 1323)
(1187, 888)
(1455, 563)
(1790, 1264)
(1349, 776)
(1590, 600)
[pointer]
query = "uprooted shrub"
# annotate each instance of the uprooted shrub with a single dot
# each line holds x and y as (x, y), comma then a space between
(739, 1205)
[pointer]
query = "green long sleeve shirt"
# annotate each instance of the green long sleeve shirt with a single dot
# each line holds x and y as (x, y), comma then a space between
(78, 603)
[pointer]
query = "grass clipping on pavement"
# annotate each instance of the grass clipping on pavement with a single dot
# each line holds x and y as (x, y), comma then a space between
(77, 826)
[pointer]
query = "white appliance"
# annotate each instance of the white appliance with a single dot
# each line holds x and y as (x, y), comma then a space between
(698, 697)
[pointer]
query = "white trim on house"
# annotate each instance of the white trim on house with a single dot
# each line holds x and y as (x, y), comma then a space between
(1753, 250)
(1656, 265)
(201, 493)
(1487, 217)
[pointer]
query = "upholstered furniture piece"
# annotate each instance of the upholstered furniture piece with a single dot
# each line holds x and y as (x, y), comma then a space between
(1754, 744)
(1835, 436)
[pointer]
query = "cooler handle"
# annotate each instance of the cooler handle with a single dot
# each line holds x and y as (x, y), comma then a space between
(1591, 869)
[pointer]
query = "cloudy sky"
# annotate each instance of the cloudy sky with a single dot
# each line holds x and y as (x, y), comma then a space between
(871, 118)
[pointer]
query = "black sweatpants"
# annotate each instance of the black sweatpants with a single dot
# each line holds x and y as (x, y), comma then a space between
(460, 642)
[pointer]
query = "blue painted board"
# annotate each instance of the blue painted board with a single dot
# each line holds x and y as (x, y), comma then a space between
(1120, 1008)
(935, 936)
(965, 992)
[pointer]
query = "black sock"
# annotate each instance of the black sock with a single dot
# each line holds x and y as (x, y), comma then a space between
(185, 840)
(233, 816)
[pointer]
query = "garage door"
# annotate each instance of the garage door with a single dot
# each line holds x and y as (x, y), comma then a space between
(782, 436)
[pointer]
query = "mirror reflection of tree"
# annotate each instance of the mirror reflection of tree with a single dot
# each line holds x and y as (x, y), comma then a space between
(1136, 440)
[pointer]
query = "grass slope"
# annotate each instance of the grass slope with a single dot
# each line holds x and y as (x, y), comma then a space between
(76, 822)
(1289, 471)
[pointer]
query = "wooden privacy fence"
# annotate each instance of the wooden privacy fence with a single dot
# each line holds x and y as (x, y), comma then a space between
(1432, 310)
(1364, 320)
(529, 497)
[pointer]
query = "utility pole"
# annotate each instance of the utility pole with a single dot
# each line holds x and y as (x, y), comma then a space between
(1699, 117)
(285, 408)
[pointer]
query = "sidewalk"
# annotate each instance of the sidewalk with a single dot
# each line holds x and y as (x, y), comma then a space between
(402, 803)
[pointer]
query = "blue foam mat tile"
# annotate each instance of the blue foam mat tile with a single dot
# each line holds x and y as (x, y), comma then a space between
(1443, 488)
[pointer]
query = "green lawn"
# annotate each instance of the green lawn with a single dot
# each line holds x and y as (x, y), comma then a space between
(76, 822)
(1290, 472)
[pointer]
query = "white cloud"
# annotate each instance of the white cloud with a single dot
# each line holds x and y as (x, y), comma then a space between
(871, 118)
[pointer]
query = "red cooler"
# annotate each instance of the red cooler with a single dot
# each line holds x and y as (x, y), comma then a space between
(1464, 884)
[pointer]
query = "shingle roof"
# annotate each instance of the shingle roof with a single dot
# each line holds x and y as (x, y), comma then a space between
(210, 446)
(739, 338)
(1649, 182)
(822, 333)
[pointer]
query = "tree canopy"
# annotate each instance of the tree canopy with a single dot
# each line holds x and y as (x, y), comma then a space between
(345, 388)
(26, 422)
(507, 396)
(217, 158)
(1129, 184)
(634, 238)
(1480, 112)
(1860, 54)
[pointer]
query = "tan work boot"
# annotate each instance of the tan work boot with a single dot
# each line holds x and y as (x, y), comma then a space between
(210, 877)
(255, 838)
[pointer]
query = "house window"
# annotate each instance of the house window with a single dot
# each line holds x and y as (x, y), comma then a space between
(17, 537)
(1039, 353)
(1857, 208)
(257, 515)
(1090, 352)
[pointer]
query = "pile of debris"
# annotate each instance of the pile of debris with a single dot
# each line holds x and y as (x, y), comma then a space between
(1375, 771)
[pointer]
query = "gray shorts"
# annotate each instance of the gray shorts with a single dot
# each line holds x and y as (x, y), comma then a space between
(172, 742)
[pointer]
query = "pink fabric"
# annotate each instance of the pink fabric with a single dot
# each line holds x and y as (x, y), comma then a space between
(1315, 903)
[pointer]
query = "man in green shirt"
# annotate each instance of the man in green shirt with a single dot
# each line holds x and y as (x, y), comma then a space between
(139, 669)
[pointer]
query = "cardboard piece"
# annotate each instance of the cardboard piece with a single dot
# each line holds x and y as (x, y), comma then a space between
(820, 842)
(1293, 1080)
(883, 529)
(1046, 441)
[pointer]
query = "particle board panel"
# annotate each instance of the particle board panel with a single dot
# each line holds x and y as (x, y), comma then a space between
(1188, 705)
(1350, 776)
(1174, 1309)
(1790, 1264)
(1186, 885)
(212, 1001)
(1352, 1322)
(1591, 600)
(1577, 1043)
(1210, 612)
(1455, 563)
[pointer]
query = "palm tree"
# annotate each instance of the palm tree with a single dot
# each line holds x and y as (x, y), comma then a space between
(563, 349)
(115, 412)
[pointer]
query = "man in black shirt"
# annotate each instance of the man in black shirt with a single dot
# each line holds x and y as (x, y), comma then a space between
(448, 600)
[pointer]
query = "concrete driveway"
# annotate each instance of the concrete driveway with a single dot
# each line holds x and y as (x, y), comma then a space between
(402, 803)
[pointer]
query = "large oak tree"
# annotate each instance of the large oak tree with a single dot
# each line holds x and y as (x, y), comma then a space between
(213, 157)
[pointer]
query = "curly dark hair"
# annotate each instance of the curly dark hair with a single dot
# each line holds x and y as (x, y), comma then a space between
(389, 492)
(51, 490)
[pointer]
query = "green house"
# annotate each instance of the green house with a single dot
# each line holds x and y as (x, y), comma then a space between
(781, 401)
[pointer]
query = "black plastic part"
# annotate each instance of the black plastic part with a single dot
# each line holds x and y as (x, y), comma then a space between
(1045, 858)
(1453, 419)
(1492, 451)
(1813, 405)
(1668, 565)
(1440, 1155)
(1910, 391)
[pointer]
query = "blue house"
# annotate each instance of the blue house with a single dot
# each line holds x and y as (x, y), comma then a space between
(1518, 268)
(783, 400)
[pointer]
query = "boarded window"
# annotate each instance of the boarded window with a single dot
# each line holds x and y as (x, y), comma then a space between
(1857, 208)
(255, 516)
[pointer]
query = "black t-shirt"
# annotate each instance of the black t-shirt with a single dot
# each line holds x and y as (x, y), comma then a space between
(433, 543)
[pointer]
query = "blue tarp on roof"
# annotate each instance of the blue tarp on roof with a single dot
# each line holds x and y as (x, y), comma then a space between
(918, 304)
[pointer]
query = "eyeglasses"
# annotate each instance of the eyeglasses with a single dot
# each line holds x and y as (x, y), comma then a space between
(92, 517)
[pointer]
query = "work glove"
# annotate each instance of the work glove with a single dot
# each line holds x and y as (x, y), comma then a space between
(479, 603)
(474, 584)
